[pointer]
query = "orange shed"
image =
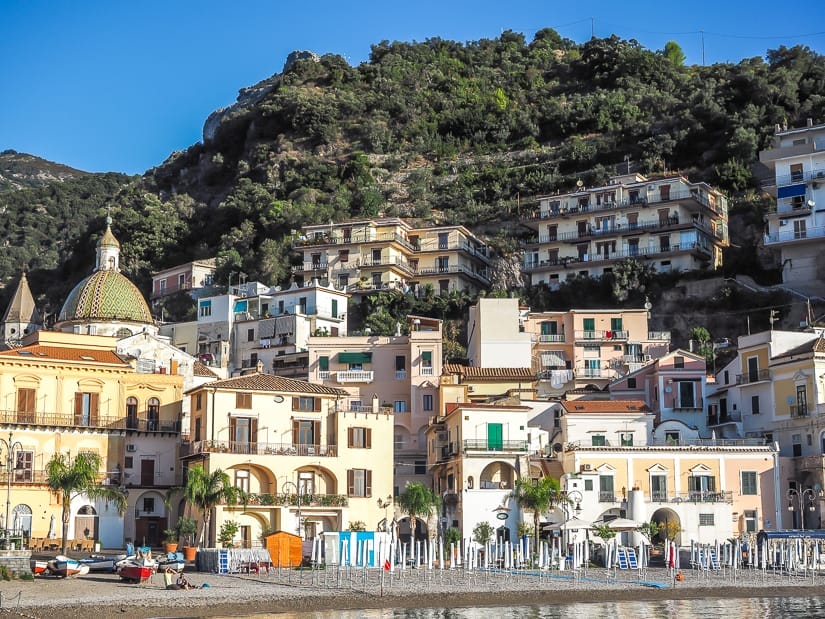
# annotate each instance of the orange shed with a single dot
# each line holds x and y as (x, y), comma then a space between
(284, 548)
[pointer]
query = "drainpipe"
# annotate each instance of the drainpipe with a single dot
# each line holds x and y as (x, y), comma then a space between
(214, 390)
(777, 498)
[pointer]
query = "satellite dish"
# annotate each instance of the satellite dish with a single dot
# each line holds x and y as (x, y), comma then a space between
(558, 447)
(278, 399)
(811, 203)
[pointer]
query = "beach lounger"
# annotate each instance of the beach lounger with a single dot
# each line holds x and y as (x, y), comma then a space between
(621, 557)
(632, 563)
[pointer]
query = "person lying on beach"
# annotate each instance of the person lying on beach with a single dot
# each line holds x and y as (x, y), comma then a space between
(182, 583)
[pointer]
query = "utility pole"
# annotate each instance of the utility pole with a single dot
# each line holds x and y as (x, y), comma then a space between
(592, 27)
(703, 47)
(774, 317)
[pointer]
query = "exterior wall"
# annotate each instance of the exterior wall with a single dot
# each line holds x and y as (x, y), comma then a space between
(190, 277)
(495, 339)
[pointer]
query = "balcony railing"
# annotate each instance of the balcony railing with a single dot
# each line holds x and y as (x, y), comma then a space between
(659, 336)
(704, 496)
(795, 235)
(485, 445)
(263, 449)
(798, 177)
(754, 376)
(93, 421)
(601, 335)
(310, 266)
(334, 239)
(607, 496)
(426, 370)
(162, 291)
(306, 500)
(799, 410)
(595, 373)
(663, 442)
(718, 206)
(729, 417)
(555, 337)
(355, 376)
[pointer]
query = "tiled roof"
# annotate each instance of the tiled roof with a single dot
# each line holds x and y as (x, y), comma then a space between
(819, 345)
(200, 369)
(605, 406)
(270, 382)
(473, 373)
(22, 308)
(61, 353)
(814, 345)
(106, 295)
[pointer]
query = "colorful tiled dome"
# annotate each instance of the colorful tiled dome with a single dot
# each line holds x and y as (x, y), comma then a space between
(105, 295)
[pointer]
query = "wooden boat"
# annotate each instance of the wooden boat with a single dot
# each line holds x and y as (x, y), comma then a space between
(136, 573)
(64, 566)
(171, 560)
(101, 563)
(39, 567)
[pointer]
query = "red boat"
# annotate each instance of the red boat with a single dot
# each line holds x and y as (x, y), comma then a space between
(39, 567)
(136, 573)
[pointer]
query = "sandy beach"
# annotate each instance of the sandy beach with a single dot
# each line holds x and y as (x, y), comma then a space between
(238, 595)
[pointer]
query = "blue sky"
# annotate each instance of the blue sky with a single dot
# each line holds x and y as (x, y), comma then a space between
(117, 86)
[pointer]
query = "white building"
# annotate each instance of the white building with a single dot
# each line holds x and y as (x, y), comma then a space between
(496, 337)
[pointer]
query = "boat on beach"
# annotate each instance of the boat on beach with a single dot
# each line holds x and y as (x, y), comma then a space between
(39, 567)
(64, 566)
(101, 563)
(136, 573)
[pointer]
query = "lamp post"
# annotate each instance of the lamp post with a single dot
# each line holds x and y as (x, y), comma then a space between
(384, 505)
(572, 498)
(11, 445)
(800, 496)
(286, 487)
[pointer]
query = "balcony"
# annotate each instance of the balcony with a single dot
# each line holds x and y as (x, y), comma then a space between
(454, 269)
(309, 499)
(703, 496)
(658, 336)
(162, 291)
(789, 236)
(310, 266)
(595, 373)
(755, 376)
(601, 335)
(426, 370)
(320, 240)
(799, 410)
(792, 179)
(485, 445)
(550, 338)
(151, 425)
(92, 421)
(729, 417)
(263, 449)
(355, 376)
(607, 496)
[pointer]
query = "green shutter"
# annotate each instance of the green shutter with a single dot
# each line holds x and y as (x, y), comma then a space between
(354, 357)
(323, 364)
(427, 356)
(335, 308)
(615, 324)
(589, 324)
(494, 437)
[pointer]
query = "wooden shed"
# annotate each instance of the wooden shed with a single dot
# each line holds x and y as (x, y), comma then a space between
(285, 549)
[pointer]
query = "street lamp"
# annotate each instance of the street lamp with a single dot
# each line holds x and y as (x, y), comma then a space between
(384, 505)
(286, 487)
(11, 445)
(801, 495)
(573, 497)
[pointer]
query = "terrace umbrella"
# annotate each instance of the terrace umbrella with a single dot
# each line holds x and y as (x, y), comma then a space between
(623, 524)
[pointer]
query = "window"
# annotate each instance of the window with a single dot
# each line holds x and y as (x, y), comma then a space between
(306, 403)
(152, 414)
(686, 395)
(751, 520)
(706, 520)
(658, 487)
(26, 405)
(679, 363)
(400, 406)
(615, 324)
(443, 240)
(588, 485)
(606, 492)
(148, 505)
(355, 405)
(748, 482)
(755, 404)
(796, 445)
(250, 335)
(24, 466)
(323, 364)
(598, 440)
(359, 438)
(631, 382)
(243, 430)
(334, 310)
(672, 437)
(243, 400)
(86, 408)
(427, 402)
(626, 439)
(700, 485)
(420, 467)
(796, 172)
(400, 367)
(801, 401)
(589, 324)
(359, 482)
(242, 480)
(198, 401)
(129, 462)
(205, 309)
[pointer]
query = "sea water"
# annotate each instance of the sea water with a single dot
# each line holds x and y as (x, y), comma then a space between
(802, 607)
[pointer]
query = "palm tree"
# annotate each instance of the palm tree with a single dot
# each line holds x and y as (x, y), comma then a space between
(539, 497)
(418, 501)
(70, 478)
(205, 490)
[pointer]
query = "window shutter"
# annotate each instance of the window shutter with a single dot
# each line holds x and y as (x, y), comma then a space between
(367, 483)
(316, 404)
(350, 482)
(253, 431)
(316, 432)
(78, 408)
(350, 440)
(94, 401)
(233, 429)
(427, 356)
(294, 432)
(712, 484)
(323, 364)
(296, 404)
(367, 438)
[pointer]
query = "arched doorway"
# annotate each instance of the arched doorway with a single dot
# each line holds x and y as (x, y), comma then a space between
(21, 519)
(669, 525)
(404, 530)
(86, 523)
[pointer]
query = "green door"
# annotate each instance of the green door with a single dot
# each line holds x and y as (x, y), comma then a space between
(494, 437)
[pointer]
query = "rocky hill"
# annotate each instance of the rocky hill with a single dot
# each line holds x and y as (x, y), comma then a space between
(22, 171)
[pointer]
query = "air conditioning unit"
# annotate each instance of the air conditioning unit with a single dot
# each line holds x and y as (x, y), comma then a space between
(820, 174)
(443, 436)
(584, 468)
(470, 388)
(131, 447)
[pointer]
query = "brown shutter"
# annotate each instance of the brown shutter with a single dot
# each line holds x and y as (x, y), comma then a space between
(253, 431)
(316, 432)
(367, 438)
(349, 437)
(295, 404)
(94, 406)
(350, 482)
(316, 404)
(368, 483)
(78, 408)
(294, 432)
(233, 427)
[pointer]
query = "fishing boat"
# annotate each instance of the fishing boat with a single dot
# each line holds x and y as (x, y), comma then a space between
(171, 560)
(101, 563)
(39, 567)
(64, 566)
(136, 573)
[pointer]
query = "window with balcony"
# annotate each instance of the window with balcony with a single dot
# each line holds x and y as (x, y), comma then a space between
(700, 485)
(607, 493)
(598, 440)
(153, 415)
(24, 466)
(443, 240)
(26, 405)
(243, 430)
(359, 483)
(427, 362)
(748, 480)
(306, 432)
(86, 408)
(323, 366)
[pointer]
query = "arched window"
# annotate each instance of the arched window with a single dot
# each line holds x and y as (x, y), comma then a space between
(152, 414)
(131, 413)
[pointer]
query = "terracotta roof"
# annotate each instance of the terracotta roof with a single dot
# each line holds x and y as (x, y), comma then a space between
(202, 370)
(605, 406)
(819, 346)
(61, 353)
(812, 346)
(473, 373)
(270, 382)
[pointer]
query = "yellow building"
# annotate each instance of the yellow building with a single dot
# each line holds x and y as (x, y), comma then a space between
(306, 464)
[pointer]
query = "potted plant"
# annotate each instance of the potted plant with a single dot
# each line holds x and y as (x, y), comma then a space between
(186, 529)
(228, 530)
(170, 540)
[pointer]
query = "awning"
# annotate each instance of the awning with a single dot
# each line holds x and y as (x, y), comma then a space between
(791, 191)
(552, 358)
(354, 357)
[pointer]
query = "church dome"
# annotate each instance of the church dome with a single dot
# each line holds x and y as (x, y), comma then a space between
(105, 295)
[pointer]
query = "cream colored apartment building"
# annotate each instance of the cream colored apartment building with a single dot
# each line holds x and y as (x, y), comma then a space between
(670, 223)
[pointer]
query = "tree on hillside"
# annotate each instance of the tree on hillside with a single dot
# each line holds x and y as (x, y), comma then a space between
(673, 52)
(205, 490)
(70, 478)
(418, 501)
